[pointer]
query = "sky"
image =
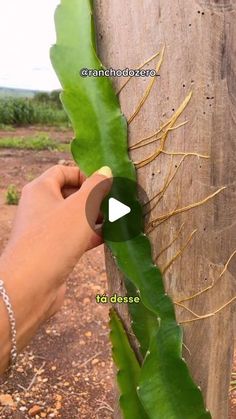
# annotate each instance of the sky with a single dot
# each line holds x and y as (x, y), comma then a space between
(26, 34)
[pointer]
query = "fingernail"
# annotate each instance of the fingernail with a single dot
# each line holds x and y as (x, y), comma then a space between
(105, 171)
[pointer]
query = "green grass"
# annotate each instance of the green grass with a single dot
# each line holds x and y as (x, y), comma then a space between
(37, 142)
(12, 195)
(4, 127)
(25, 111)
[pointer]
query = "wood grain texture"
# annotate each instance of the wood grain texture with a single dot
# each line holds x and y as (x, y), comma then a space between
(200, 40)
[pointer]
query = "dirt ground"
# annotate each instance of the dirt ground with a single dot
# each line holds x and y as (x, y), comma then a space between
(66, 372)
(60, 134)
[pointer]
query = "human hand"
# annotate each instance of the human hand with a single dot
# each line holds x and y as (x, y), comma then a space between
(49, 235)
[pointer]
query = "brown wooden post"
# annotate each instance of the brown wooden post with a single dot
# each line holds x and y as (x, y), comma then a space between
(200, 40)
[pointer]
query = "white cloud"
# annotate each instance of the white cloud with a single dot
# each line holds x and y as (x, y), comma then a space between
(26, 34)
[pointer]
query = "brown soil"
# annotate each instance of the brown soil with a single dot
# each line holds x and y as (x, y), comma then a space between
(66, 372)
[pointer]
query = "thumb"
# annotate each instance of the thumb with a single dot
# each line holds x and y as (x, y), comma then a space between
(94, 190)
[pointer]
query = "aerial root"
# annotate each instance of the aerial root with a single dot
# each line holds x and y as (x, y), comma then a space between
(169, 153)
(191, 297)
(148, 90)
(139, 68)
(180, 153)
(167, 183)
(170, 244)
(160, 130)
(227, 264)
(150, 139)
(233, 383)
(179, 253)
(187, 349)
(150, 230)
(233, 386)
(166, 217)
(210, 286)
(206, 316)
(160, 194)
(188, 309)
(174, 118)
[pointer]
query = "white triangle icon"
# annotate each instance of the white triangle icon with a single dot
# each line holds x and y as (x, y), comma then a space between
(117, 210)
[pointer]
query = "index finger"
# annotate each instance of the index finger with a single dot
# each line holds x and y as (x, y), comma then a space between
(62, 176)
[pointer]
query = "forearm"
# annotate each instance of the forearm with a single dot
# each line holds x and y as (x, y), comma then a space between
(30, 303)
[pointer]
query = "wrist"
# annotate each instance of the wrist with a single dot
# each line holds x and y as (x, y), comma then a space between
(30, 304)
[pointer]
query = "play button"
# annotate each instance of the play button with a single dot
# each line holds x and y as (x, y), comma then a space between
(116, 210)
(123, 212)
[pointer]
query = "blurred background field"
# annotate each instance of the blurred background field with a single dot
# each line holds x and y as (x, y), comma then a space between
(33, 108)
(32, 120)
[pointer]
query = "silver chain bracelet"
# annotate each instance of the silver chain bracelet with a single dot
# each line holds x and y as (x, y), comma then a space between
(12, 322)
